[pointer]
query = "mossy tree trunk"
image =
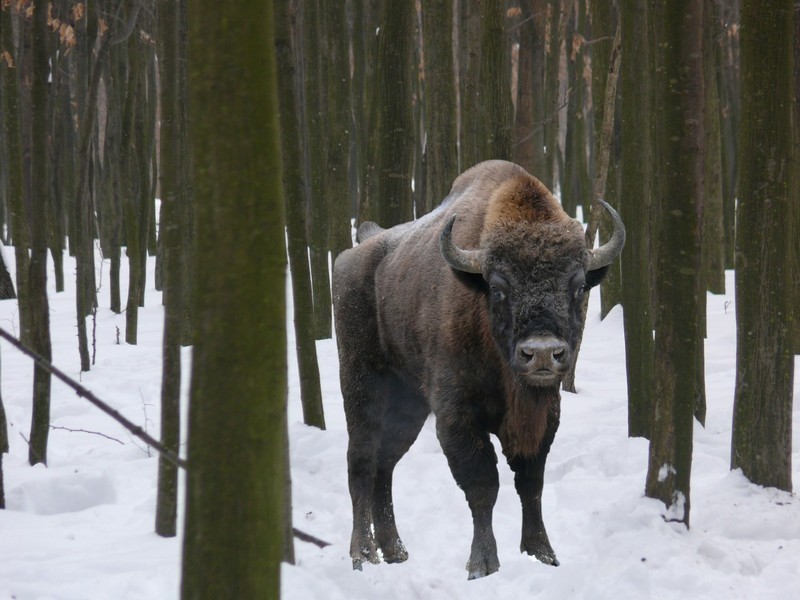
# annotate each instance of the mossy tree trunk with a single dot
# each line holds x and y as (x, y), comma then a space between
(233, 540)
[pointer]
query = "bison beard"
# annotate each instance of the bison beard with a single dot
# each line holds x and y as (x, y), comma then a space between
(469, 312)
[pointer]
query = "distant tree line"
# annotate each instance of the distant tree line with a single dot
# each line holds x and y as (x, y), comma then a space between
(105, 144)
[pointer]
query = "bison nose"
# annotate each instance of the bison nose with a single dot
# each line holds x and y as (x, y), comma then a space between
(542, 357)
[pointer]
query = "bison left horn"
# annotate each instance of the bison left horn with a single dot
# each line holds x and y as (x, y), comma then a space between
(469, 261)
(605, 254)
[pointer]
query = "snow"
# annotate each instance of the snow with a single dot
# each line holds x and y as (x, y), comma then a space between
(82, 527)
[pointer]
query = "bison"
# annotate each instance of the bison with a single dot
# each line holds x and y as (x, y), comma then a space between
(471, 312)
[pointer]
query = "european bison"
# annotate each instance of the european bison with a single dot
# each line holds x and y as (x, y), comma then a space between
(471, 312)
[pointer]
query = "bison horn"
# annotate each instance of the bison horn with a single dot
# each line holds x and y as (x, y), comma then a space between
(470, 261)
(605, 254)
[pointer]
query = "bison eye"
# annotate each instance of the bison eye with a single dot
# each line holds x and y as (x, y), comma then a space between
(580, 291)
(498, 286)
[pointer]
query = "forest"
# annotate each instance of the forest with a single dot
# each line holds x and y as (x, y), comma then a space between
(224, 144)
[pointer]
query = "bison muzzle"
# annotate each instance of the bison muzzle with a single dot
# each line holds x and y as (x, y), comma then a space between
(471, 312)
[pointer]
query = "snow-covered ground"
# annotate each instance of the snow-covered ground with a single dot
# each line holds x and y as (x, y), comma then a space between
(82, 527)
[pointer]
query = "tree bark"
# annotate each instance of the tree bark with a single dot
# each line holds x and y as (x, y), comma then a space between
(310, 391)
(636, 207)
(172, 233)
(678, 343)
(37, 281)
(20, 231)
(441, 143)
(395, 125)
(762, 420)
(233, 541)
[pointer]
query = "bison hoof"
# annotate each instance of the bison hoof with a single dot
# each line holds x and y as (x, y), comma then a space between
(396, 553)
(544, 555)
(365, 554)
(482, 568)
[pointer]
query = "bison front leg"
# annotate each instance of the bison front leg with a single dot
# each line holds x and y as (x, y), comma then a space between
(529, 481)
(473, 463)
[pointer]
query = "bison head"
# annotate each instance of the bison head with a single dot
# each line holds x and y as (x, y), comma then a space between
(535, 274)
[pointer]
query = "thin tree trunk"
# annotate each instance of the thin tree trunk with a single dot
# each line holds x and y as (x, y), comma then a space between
(599, 185)
(636, 206)
(310, 391)
(20, 231)
(173, 259)
(40, 310)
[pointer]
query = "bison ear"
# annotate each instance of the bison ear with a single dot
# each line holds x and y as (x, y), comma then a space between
(596, 276)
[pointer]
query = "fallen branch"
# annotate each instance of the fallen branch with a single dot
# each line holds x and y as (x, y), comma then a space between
(304, 537)
(134, 429)
(84, 393)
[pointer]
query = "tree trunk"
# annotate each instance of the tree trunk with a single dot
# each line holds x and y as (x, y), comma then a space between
(395, 125)
(495, 109)
(762, 420)
(678, 343)
(636, 208)
(20, 231)
(337, 67)
(713, 224)
(173, 259)
(40, 310)
(233, 541)
(441, 143)
(310, 391)
(577, 184)
(319, 232)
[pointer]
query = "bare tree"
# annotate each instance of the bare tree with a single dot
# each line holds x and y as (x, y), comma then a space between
(762, 422)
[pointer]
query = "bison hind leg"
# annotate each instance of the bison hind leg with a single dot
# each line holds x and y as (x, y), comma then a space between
(405, 415)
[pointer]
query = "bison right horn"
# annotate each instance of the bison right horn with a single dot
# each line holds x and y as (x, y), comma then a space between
(605, 254)
(469, 261)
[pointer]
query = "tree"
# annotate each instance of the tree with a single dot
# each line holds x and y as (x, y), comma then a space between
(636, 207)
(336, 61)
(528, 147)
(172, 233)
(441, 131)
(3, 450)
(394, 128)
(233, 539)
(37, 279)
(316, 167)
(294, 192)
(762, 421)
(20, 231)
(678, 343)
(495, 109)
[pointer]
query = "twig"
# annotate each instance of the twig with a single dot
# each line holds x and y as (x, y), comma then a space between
(305, 537)
(108, 437)
(84, 393)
